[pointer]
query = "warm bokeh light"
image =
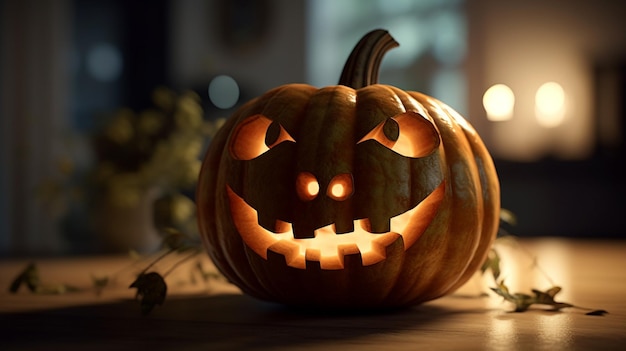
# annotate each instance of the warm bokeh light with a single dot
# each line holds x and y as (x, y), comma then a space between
(499, 101)
(550, 104)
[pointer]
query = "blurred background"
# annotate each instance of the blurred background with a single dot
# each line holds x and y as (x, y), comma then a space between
(106, 105)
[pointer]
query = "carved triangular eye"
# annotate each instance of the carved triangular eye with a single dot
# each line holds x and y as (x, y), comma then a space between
(409, 134)
(255, 136)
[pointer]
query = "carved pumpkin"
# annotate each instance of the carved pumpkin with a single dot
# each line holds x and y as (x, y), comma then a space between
(359, 195)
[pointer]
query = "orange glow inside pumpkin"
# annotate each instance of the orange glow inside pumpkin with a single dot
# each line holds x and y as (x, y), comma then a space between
(313, 188)
(307, 186)
(340, 187)
(250, 138)
(408, 134)
(327, 247)
(412, 138)
(337, 190)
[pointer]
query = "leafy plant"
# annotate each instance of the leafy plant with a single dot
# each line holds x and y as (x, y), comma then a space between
(29, 277)
(152, 286)
(522, 301)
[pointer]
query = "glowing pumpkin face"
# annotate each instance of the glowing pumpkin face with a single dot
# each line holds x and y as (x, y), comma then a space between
(331, 187)
(347, 197)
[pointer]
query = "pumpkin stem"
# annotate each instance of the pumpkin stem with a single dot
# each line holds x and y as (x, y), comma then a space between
(361, 68)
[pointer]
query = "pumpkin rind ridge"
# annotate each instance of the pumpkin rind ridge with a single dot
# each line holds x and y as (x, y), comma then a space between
(435, 265)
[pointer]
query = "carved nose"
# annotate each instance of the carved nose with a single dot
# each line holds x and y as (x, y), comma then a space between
(340, 187)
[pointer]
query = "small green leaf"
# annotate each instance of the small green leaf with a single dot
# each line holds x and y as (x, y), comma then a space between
(523, 301)
(547, 298)
(503, 291)
(16, 283)
(29, 276)
(152, 289)
(492, 263)
(508, 217)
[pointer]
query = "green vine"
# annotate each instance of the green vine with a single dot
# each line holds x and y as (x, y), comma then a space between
(152, 287)
(150, 284)
(523, 301)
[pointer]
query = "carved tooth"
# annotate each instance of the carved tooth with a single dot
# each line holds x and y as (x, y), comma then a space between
(344, 225)
(380, 225)
(313, 255)
(313, 259)
(267, 222)
(302, 233)
(350, 255)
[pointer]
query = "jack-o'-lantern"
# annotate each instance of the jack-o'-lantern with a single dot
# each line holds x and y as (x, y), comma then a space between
(359, 195)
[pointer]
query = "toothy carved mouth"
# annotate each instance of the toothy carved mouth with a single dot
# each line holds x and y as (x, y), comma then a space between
(327, 247)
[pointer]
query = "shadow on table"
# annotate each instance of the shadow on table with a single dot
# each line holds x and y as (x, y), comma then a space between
(215, 322)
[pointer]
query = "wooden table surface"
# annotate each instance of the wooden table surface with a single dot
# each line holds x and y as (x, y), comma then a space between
(216, 316)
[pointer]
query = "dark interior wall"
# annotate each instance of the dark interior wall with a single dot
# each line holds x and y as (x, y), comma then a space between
(582, 45)
(262, 44)
(140, 33)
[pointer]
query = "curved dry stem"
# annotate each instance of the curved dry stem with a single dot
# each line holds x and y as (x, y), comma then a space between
(361, 68)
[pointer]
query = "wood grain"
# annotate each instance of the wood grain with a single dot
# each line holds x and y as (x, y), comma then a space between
(217, 316)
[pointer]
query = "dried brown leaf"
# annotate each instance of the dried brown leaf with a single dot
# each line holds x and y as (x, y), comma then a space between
(152, 289)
